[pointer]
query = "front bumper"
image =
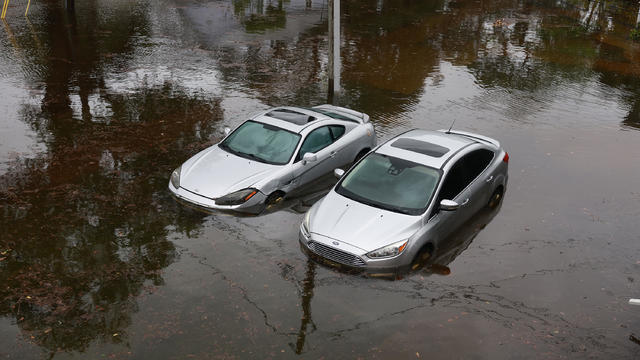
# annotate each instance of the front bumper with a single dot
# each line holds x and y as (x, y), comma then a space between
(253, 206)
(343, 255)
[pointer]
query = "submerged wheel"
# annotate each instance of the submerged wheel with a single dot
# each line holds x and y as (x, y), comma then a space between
(274, 198)
(495, 199)
(422, 257)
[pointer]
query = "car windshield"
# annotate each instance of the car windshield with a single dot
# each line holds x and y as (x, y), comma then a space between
(390, 183)
(262, 142)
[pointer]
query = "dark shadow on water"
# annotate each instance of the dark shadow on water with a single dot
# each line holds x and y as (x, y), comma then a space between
(456, 243)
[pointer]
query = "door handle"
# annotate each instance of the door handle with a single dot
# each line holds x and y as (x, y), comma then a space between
(489, 178)
(333, 153)
(464, 202)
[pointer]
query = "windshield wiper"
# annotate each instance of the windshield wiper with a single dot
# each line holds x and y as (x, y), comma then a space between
(341, 190)
(226, 147)
(252, 156)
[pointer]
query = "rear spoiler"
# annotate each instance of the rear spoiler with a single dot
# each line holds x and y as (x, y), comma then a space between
(351, 114)
(473, 136)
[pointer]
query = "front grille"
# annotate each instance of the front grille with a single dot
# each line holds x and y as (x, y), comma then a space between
(336, 255)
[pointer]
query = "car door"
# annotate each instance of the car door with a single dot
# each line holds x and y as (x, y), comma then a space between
(479, 191)
(342, 150)
(320, 142)
(463, 185)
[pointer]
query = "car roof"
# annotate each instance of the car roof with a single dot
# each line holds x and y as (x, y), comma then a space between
(431, 148)
(291, 118)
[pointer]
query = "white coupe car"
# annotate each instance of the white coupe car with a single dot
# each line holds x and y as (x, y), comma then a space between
(272, 154)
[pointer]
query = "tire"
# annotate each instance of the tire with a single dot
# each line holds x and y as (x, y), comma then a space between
(495, 198)
(422, 257)
(274, 198)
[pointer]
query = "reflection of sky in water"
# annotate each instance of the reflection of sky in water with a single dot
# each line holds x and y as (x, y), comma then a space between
(16, 139)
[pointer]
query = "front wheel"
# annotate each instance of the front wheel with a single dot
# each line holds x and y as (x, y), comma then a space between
(422, 257)
(274, 198)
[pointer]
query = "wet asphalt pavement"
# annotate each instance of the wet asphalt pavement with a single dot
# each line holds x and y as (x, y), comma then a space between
(99, 106)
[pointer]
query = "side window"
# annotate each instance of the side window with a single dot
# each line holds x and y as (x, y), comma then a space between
(456, 180)
(336, 131)
(463, 172)
(317, 140)
(477, 161)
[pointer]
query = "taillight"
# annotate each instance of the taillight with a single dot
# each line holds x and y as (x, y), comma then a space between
(506, 157)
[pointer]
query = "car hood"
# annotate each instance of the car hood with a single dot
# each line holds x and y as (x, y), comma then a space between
(214, 173)
(363, 226)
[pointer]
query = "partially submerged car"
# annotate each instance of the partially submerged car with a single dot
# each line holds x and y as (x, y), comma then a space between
(395, 206)
(272, 154)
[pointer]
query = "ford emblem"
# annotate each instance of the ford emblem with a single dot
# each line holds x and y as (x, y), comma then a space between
(336, 243)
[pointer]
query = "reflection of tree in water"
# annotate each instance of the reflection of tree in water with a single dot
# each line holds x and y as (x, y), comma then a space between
(631, 88)
(279, 72)
(390, 47)
(85, 224)
(257, 18)
(379, 72)
(306, 296)
(541, 46)
(385, 58)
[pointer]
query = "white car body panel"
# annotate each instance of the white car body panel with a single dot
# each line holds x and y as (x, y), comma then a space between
(215, 172)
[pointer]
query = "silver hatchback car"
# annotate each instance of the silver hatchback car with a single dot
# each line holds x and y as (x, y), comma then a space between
(395, 206)
(272, 154)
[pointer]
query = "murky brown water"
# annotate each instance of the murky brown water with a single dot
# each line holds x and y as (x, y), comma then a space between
(97, 260)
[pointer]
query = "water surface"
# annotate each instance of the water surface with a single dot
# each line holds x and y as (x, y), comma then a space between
(100, 104)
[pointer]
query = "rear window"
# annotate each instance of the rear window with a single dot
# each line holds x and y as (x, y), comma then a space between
(422, 147)
(291, 116)
(333, 115)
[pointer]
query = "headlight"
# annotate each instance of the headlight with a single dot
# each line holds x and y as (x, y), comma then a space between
(389, 251)
(305, 223)
(236, 198)
(175, 177)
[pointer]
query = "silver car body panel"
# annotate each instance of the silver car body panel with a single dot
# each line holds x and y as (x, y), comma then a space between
(364, 227)
(336, 220)
(214, 172)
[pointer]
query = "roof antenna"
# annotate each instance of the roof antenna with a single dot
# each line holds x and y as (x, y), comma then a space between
(450, 127)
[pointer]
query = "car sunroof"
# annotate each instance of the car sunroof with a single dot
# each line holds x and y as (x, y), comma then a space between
(421, 147)
(291, 116)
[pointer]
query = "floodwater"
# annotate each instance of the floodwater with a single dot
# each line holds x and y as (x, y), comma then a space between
(100, 104)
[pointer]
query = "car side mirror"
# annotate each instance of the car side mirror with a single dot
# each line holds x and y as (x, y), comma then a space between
(226, 131)
(448, 205)
(338, 173)
(309, 157)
